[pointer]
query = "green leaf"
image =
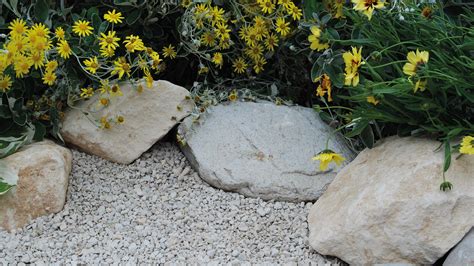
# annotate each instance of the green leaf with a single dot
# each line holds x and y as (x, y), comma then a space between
(367, 137)
(8, 178)
(42, 10)
(40, 131)
(310, 7)
(447, 155)
(359, 126)
(133, 16)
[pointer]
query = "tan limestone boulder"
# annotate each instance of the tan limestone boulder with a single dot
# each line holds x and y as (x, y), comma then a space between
(148, 115)
(43, 170)
(386, 205)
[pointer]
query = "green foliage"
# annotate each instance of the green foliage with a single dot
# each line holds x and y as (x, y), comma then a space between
(8, 179)
(389, 101)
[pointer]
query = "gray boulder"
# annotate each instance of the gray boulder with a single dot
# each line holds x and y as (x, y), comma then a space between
(463, 253)
(262, 150)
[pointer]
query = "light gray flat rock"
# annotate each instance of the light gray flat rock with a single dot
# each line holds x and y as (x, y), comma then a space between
(262, 150)
(463, 253)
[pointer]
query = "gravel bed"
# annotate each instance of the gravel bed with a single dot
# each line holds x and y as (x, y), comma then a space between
(158, 210)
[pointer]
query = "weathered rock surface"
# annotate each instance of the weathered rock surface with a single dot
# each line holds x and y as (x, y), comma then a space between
(43, 172)
(386, 205)
(261, 150)
(148, 117)
(463, 253)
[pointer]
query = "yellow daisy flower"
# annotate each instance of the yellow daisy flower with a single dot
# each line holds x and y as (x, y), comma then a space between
(372, 100)
(368, 6)
(415, 60)
(218, 59)
(121, 67)
(109, 40)
(467, 145)
(82, 28)
(271, 41)
(38, 59)
(326, 157)
(259, 63)
(87, 92)
(5, 83)
(295, 12)
(255, 52)
(267, 6)
(233, 96)
(208, 38)
(239, 65)
(17, 27)
(169, 51)
(49, 78)
(285, 3)
(352, 60)
(39, 30)
(113, 17)
(51, 65)
(64, 50)
(22, 65)
(92, 64)
(60, 33)
(115, 91)
(282, 27)
(134, 43)
(120, 119)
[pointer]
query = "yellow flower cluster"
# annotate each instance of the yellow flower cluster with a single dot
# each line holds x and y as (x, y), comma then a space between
(25, 49)
(36, 48)
(262, 24)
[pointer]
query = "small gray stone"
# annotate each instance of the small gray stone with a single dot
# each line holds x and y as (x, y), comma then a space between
(463, 253)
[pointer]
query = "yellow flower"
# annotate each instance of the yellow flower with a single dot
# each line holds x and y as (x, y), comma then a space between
(121, 67)
(156, 60)
(218, 59)
(92, 64)
(107, 52)
(87, 93)
(259, 63)
(222, 31)
(17, 27)
(372, 100)
(186, 3)
(368, 6)
(64, 50)
(104, 86)
(282, 27)
(420, 85)
(203, 70)
(267, 6)
(326, 157)
(208, 38)
(338, 6)
(216, 15)
(255, 52)
(295, 12)
(109, 40)
(169, 51)
(82, 28)
(239, 65)
(39, 30)
(285, 3)
(113, 17)
(60, 34)
(415, 60)
(352, 60)
(104, 123)
(22, 65)
(224, 44)
(324, 86)
(49, 78)
(251, 36)
(38, 59)
(313, 38)
(5, 83)
(17, 45)
(104, 101)
(233, 96)
(120, 119)
(115, 91)
(467, 145)
(271, 41)
(51, 65)
(134, 43)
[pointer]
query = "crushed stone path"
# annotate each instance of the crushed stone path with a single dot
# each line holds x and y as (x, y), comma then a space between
(158, 210)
